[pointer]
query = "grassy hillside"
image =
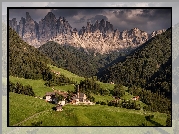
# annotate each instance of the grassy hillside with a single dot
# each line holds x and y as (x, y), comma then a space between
(40, 89)
(66, 73)
(22, 107)
(77, 78)
(38, 86)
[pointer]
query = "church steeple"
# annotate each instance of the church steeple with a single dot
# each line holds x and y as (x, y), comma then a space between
(78, 91)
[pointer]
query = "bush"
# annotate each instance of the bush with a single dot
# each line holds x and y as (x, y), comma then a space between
(20, 89)
(103, 103)
(137, 107)
(110, 104)
(97, 102)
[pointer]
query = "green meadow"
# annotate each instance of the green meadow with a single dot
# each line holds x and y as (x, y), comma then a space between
(26, 110)
(22, 107)
(78, 78)
(38, 86)
(40, 89)
(66, 73)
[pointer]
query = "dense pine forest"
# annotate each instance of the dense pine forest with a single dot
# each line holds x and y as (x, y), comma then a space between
(77, 60)
(24, 60)
(141, 64)
(67, 57)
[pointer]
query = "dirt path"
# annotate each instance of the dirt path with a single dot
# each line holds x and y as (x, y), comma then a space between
(31, 117)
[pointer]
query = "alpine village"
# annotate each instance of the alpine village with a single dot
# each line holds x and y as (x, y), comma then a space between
(97, 76)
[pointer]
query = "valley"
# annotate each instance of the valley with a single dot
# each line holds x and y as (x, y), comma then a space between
(96, 76)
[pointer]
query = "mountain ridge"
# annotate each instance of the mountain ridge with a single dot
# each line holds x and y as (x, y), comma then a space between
(100, 36)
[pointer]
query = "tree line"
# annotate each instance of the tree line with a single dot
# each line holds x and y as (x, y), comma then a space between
(20, 89)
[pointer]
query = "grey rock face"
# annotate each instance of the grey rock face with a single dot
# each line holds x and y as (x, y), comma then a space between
(100, 36)
(154, 33)
(13, 24)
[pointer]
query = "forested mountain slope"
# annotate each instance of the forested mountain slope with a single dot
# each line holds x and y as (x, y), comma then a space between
(77, 60)
(144, 65)
(25, 60)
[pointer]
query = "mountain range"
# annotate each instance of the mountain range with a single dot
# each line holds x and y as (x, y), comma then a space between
(100, 37)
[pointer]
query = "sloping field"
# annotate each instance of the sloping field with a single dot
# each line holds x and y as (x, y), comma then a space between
(30, 110)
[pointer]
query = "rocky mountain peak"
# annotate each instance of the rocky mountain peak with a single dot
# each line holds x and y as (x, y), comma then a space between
(100, 36)
(28, 17)
(50, 16)
(154, 33)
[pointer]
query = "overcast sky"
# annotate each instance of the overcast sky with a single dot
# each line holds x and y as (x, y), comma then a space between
(123, 19)
(145, 19)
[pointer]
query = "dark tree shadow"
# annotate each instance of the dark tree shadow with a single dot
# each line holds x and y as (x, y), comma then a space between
(150, 117)
(36, 123)
(54, 108)
(156, 123)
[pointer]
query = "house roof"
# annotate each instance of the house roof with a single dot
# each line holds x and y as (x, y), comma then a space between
(50, 93)
(63, 94)
(74, 97)
(58, 107)
(81, 95)
(136, 97)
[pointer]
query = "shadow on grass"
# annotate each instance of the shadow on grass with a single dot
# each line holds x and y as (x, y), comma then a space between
(36, 123)
(153, 122)
(156, 123)
(142, 125)
(150, 117)
(54, 108)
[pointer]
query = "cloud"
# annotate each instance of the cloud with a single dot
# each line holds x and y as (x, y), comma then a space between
(123, 19)
(65, 12)
(82, 20)
(74, 12)
(97, 17)
(36, 14)
(79, 17)
(145, 19)
(155, 13)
